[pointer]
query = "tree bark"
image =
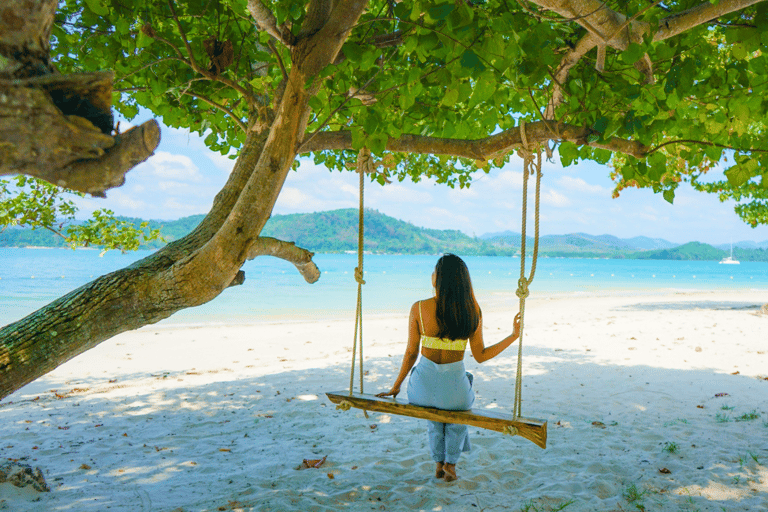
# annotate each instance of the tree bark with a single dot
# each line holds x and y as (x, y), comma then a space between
(479, 149)
(58, 127)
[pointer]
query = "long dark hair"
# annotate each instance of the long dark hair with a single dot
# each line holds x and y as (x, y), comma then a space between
(457, 314)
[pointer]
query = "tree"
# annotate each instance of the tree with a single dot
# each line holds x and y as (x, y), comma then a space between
(430, 87)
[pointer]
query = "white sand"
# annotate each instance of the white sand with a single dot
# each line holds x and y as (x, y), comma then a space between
(219, 418)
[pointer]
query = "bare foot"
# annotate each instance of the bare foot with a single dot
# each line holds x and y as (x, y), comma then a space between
(439, 470)
(450, 472)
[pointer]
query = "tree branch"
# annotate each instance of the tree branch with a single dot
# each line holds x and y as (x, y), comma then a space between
(695, 16)
(150, 32)
(96, 176)
(288, 251)
(183, 35)
(267, 22)
(45, 132)
(479, 149)
(614, 29)
(220, 107)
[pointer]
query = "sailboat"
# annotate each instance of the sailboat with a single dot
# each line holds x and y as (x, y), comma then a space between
(728, 260)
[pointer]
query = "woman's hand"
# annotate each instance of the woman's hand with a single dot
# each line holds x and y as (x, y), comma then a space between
(392, 392)
(517, 325)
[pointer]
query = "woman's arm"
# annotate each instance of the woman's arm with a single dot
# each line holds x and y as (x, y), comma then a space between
(481, 353)
(411, 352)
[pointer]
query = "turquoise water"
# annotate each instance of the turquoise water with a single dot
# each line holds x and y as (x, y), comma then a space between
(274, 290)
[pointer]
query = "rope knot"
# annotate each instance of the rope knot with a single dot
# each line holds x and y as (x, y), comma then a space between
(344, 405)
(522, 288)
(359, 276)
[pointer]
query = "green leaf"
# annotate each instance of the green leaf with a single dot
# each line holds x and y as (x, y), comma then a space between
(98, 7)
(664, 51)
(450, 98)
(440, 12)
(669, 195)
(738, 175)
(470, 60)
(600, 125)
(353, 52)
(633, 53)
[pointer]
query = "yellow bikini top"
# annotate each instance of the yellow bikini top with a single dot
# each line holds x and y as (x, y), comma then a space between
(440, 343)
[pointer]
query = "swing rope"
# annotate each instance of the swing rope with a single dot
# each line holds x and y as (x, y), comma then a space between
(523, 283)
(363, 165)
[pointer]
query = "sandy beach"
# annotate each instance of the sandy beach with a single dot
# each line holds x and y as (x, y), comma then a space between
(654, 402)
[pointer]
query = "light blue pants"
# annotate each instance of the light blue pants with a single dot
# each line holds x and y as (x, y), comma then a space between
(444, 386)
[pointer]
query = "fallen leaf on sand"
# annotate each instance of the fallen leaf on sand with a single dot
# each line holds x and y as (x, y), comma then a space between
(224, 450)
(736, 372)
(85, 466)
(664, 471)
(312, 463)
(699, 406)
(718, 395)
(598, 424)
(330, 475)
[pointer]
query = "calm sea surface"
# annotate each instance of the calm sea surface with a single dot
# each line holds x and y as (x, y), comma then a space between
(274, 290)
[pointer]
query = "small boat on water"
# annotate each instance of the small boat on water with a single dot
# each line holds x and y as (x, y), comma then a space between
(728, 260)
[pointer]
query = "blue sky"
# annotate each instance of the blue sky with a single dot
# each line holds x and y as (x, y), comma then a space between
(183, 177)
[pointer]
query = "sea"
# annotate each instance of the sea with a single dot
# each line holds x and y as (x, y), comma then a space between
(274, 291)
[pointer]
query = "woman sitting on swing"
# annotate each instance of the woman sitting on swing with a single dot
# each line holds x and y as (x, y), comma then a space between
(443, 325)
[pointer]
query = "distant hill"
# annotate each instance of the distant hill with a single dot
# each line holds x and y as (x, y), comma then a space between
(702, 252)
(336, 231)
(689, 251)
(580, 242)
(744, 244)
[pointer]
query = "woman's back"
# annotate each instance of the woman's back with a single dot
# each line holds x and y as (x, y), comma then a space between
(436, 349)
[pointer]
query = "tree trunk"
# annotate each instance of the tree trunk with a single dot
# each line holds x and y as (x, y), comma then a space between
(144, 293)
(198, 267)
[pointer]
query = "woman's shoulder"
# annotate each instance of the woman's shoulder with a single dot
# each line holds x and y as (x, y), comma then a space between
(424, 303)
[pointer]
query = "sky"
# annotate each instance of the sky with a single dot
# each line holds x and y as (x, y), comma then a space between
(183, 177)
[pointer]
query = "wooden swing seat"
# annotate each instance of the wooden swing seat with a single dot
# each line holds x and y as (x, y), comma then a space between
(534, 430)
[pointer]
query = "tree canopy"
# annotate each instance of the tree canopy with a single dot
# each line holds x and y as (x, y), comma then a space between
(663, 91)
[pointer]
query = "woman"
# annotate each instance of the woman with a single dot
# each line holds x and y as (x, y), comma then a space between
(443, 325)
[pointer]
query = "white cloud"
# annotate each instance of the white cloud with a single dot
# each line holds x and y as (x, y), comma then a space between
(553, 198)
(292, 198)
(168, 165)
(173, 208)
(222, 162)
(411, 194)
(447, 219)
(126, 203)
(579, 185)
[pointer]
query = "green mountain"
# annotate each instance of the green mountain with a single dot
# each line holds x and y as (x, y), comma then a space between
(336, 231)
(701, 252)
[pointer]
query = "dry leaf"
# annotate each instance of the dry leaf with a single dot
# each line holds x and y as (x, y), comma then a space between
(721, 394)
(736, 372)
(85, 466)
(224, 450)
(330, 475)
(598, 424)
(313, 463)
(664, 471)
(699, 406)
